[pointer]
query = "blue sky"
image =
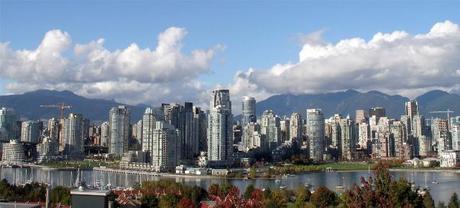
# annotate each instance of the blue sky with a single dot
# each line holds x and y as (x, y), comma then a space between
(256, 34)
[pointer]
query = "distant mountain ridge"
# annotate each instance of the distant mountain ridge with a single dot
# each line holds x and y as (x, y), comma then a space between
(347, 102)
(28, 105)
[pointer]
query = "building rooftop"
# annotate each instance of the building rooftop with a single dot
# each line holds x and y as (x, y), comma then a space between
(90, 192)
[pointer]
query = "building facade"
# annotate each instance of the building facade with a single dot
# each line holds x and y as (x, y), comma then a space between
(220, 126)
(315, 133)
(119, 130)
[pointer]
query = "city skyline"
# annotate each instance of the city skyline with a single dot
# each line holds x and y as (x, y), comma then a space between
(185, 60)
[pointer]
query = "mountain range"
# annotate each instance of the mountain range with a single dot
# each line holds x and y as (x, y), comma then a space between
(345, 103)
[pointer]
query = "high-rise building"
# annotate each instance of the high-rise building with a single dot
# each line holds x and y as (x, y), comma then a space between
(201, 120)
(30, 131)
(105, 131)
(13, 153)
(252, 138)
(220, 126)
(348, 138)
(315, 133)
(249, 110)
(441, 134)
(190, 145)
(163, 146)
(53, 129)
(270, 127)
(360, 116)
(73, 135)
(455, 136)
(9, 128)
(148, 127)
(363, 136)
(377, 111)
(411, 108)
(398, 144)
(285, 130)
(47, 150)
(119, 130)
(296, 127)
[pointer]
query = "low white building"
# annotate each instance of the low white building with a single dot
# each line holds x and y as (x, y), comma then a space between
(450, 158)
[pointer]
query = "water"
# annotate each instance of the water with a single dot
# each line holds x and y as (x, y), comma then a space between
(448, 182)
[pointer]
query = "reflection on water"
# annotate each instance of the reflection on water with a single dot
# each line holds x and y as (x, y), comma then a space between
(448, 183)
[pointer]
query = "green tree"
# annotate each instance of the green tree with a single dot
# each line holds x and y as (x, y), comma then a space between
(323, 197)
(453, 202)
(302, 195)
(428, 201)
(252, 173)
(168, 200)
(149, 201)
(280, 197)
(60, 194)
(248, 191)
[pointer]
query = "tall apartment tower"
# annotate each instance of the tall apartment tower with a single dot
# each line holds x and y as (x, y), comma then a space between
(53, 129)
(119, 130)
(411, 108)
(360, 116)
(249, 110)
(270, 127)
(8, 124)
(348, 138)
(220, 128)
(295, 126)
(163, 146)
(73, 135)
(30, 131)
(441, 134)
(315, 133)
(105, 131)
(148, 126)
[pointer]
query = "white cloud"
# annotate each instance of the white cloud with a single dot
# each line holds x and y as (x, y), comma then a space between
(395, 62)
(132, 75)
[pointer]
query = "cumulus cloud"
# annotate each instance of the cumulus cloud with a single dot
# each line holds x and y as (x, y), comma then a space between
(395, 62)
(131, 75)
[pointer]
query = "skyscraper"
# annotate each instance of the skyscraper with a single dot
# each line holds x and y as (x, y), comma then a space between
(411, 108)
(296, 127)
(105, 131)
(441, 134)
(163, 146)
(119, 130)
(455, 136)
(249, 110)
(270, 127)
(360, 116)
(73, 135)
(220, 126)
(315, 133)
(148, 127)
(30, 131)
(348, 138)
(8, 124)
(53, 129)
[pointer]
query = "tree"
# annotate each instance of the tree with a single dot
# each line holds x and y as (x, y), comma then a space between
(252, 173)
(323, 197)
(302, 195)
(149, 201)
(249, 190)
(428, 201)
(185, 203)
(280, 197)
(453, 202)
(60, 194)
(168, 200)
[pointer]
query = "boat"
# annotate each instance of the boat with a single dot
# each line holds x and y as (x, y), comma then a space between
(283, 187)
(277, 181)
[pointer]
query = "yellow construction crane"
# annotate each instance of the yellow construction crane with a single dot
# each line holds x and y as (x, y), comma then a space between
(60, 106)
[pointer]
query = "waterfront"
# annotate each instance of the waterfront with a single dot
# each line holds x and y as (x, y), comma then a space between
(447, 182)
